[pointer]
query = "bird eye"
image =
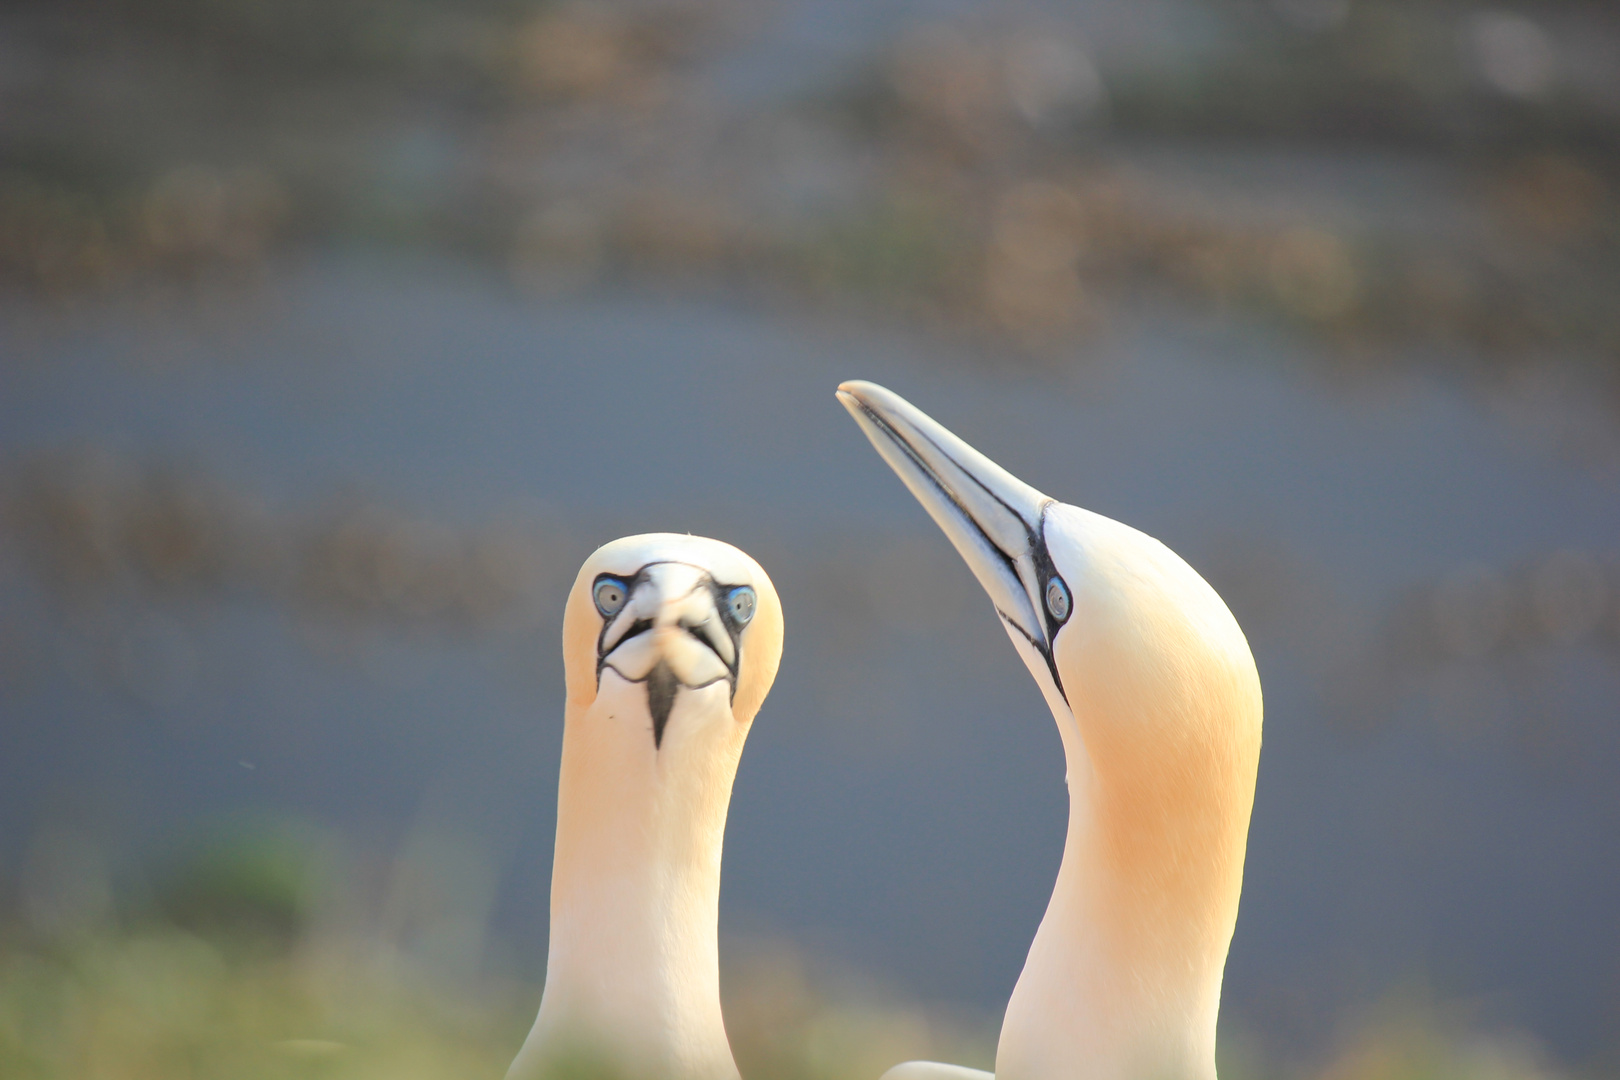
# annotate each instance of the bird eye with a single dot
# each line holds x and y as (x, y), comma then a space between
(610, 595)
(1057, 599)
(740, 602)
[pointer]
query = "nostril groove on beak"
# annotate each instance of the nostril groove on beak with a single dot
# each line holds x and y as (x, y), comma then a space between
(607, 643)
(700, 631)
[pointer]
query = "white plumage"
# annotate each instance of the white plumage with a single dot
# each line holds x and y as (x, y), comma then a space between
(670, 645)
(1158, 705)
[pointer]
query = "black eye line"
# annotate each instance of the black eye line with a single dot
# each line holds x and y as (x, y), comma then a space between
(1046, 573)
(718, 592)
(734, 629)
(1045, 570)
(629, 584)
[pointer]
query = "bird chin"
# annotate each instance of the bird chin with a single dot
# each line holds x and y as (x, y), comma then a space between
(665, 673)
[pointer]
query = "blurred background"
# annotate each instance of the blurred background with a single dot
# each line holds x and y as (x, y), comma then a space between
(335, 333)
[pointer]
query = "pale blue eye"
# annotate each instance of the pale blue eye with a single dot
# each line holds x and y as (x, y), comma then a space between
(740, 602)
(610, 595)
(1057, 599)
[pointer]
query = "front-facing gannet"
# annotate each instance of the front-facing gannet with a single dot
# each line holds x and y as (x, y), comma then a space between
(670, 644)
(1157, 702)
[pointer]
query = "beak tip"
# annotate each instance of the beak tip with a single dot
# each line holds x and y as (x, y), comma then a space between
(860, 396)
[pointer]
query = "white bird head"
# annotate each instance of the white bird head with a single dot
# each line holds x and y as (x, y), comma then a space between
(1158, 704)
(678, 615)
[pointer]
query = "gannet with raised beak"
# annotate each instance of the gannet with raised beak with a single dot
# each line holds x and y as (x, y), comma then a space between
(1157, 702)
(670, 645)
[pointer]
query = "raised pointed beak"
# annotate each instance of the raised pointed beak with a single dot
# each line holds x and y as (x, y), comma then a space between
(992, 517)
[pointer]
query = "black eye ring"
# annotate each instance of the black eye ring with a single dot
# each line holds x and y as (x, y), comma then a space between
(1057, 598)
(740, 604)
(610, 594)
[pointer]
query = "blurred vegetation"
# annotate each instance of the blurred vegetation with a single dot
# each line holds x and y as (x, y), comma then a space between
(983, 178)
(1472, 80)
(1033, 143)
(97, 528)
(261, 953)
(268, 951)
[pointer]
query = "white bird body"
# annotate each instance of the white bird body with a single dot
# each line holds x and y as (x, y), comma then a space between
(1158, 705)
(662, 690)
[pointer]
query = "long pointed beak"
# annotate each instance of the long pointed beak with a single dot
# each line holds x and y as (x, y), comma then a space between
(992, 517)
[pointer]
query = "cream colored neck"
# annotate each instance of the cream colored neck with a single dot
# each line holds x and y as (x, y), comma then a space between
(633, 968)
(1123, 980)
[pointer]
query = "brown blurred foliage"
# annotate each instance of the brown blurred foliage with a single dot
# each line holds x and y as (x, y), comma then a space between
(979, 177)
(95, 526)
